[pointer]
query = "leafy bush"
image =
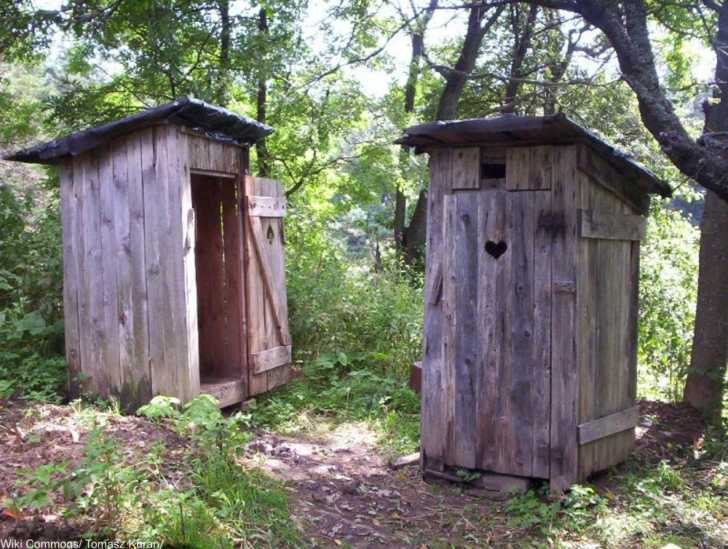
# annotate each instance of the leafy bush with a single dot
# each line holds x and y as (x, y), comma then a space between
(31, 330)
(668, 290)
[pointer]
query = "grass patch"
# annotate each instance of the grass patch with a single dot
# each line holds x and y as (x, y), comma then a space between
(341, 387)
(215, 501)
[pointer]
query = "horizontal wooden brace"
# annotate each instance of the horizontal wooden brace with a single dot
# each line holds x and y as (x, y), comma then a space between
(608, 425)
(213, 173)
(270, 358)
(226, 392)
(611, 226)
(267, 206)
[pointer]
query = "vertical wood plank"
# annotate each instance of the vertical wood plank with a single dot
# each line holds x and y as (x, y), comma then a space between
(135, 374)
(109, 253)
(466, 168)
(491, 320)
(433, 420)
(564, 374)
(158, 244)
(70, 212)
(185, 286)
(521, 304)
(542, 294)
(460, 301)
(84, 326)
(94, 284)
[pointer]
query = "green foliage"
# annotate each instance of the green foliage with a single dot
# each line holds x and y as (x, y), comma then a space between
(575, 512)
(99, 488)
(223, 503)
(160, 407)
(31, 330)
(668, 290)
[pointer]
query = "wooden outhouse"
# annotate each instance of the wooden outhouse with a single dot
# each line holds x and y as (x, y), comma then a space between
(173, 257)
(531, 289)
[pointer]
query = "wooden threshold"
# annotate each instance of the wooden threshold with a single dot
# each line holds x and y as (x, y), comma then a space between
(227, 391)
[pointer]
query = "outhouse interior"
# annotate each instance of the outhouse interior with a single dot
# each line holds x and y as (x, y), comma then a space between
(531, 297)
(173, 257)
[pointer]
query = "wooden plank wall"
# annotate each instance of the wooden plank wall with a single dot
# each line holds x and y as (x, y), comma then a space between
(208, 156)
(486, 368)
(126, 276)
(436, 392)
(564, 373)
(72, 246)
(607, 322)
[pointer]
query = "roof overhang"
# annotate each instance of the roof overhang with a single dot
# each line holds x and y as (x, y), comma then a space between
(511, 130)
(216, 122)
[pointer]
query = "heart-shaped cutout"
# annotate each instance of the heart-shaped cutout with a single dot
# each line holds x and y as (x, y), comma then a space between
(496, 249)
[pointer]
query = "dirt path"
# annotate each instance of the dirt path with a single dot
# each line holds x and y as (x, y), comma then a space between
(344, 493)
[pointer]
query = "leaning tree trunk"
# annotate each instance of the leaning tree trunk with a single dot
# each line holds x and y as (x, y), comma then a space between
(447, 108)
(704, 386)
(706, 376)
(522, 33)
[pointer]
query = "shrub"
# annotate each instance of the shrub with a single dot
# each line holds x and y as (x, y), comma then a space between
(668, 290)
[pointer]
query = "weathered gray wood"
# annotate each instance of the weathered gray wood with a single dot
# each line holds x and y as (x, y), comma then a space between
(492, 407)
(135, 373)
(602, 173)
(210, 157)
(520, 355)
(564, 372)
(543, 291)
(459, 304)
(466, 168)
(433, 420)
(120, 262)
(528, 168)
(164, 245)
(502, 484)
(79, 231)
(70, 212)
(608, 328)
(109, 256)
(266, 206)
(608, 425)
(226, 391)
(186, 277)
(267, 308)
(614, 226)
(268, 359)
(92, 327)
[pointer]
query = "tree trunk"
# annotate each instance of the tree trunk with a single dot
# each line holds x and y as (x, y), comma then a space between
(522, 32)
(262, 103)
(706, 376)
(447, 108)
(223, 82)
(704, 386)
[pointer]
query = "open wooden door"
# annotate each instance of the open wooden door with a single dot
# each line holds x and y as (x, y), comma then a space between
(269, 342)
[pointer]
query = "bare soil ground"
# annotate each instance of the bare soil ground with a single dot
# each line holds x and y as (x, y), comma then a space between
(342, 490)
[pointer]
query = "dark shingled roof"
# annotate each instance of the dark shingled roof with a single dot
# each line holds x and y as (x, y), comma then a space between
(216, 122)
(529, 130)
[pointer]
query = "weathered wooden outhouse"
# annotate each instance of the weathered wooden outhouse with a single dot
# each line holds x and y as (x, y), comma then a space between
(533, 234)
(173, 257)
